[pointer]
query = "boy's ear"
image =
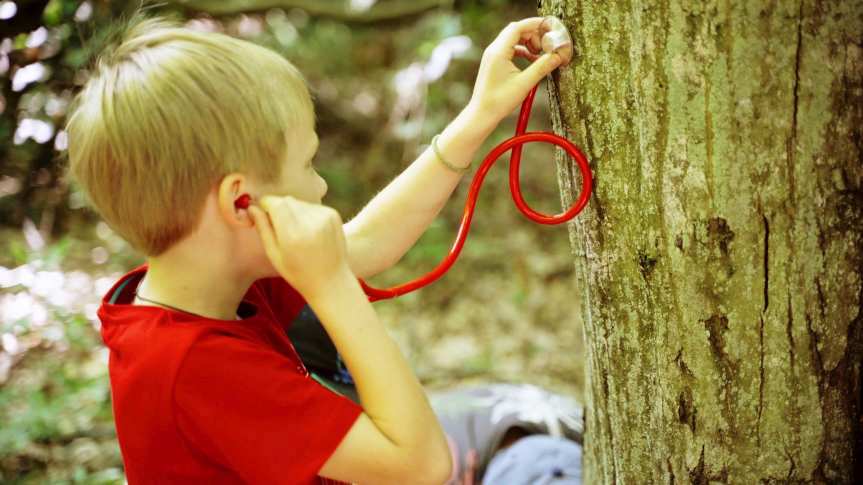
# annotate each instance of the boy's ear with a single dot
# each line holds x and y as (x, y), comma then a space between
(229, 190)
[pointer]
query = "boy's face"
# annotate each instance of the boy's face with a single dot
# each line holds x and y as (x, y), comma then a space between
(299, 180)
(299, 177)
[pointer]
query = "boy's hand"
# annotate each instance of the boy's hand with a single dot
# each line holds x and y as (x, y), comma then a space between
(500, 85)
(305, 242)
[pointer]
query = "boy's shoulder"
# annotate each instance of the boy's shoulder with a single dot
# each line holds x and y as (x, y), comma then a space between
(267, 298)
(153, 349)
(156, 340)
(186, 383)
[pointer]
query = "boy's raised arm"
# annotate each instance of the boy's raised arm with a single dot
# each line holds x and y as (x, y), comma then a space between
(414, 198)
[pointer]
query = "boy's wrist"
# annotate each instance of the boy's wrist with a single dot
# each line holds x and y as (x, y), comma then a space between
(326, 285)
(460, 140)
(467, 132)
(476, 120)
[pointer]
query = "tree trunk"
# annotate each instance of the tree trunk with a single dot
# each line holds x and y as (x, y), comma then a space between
(721, 255)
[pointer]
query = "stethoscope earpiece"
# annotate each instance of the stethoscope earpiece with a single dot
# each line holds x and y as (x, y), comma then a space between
(243, 201)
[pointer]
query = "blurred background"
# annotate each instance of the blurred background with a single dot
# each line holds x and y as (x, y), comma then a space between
(387, 75)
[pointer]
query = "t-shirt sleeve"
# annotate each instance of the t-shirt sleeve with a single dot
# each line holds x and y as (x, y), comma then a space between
(249, 409)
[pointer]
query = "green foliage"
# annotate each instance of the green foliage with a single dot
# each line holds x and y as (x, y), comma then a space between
(53, 13)
(60, 394)
(17, 252)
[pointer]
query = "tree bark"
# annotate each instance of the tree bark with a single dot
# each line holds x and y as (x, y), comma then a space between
(723, 245)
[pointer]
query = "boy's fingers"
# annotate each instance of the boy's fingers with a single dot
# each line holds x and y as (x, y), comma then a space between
(265, 230)
(256, 214)
(280, 210)
(539, 69)
(522, 51)
(533, 41)
(515, 31)
(261, 220)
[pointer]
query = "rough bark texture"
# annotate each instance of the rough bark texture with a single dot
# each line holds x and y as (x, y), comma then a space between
(723, 246)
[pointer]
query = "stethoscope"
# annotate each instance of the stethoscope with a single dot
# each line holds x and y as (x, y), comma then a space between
(555, 38)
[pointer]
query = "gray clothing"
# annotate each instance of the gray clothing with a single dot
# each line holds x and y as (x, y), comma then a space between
(476, 418)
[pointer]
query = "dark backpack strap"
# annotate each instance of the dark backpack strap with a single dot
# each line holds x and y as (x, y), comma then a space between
(319, 354)
(119, 291)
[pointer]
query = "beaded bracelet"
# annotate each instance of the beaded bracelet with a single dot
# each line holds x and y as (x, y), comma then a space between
(440, 157)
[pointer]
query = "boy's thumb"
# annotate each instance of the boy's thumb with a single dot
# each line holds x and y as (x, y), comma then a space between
(258, 216)
(254, 213)
(542, 67)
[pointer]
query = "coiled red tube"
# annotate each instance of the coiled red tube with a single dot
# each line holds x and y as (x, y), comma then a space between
(515, 144)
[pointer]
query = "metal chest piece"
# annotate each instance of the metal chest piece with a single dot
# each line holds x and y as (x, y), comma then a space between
(556, 38)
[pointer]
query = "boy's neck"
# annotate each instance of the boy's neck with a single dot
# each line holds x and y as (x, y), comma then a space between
(195, 283)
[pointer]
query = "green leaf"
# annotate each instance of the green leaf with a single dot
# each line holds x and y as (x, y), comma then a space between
(21, 41)
(53, 13)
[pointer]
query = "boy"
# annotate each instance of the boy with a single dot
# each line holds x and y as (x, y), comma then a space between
(171, 129)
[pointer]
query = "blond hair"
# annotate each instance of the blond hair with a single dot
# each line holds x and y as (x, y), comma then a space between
(168, 112)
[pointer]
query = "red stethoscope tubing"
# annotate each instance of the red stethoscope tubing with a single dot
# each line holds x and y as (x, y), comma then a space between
(516, 143)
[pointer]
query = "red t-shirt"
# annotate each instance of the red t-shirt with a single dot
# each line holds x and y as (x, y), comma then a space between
(198, 400)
